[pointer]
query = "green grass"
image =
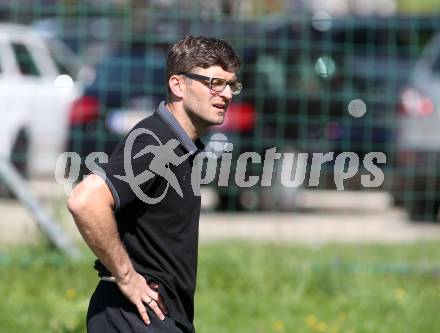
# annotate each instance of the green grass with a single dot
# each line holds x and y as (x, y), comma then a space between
(419, 6)
(251, 288)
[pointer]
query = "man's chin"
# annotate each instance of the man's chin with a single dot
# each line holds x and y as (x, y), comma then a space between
(217, 120)
(220, 121)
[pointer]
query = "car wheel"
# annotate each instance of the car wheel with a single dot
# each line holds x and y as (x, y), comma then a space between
(240, 201)
(19, 159)
(424, 211)
(227, 201)
(20, 154)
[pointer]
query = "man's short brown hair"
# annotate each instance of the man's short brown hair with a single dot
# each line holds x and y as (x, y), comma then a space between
(191, 52)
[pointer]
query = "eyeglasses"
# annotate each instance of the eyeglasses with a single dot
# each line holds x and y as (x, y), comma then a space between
(216, 84)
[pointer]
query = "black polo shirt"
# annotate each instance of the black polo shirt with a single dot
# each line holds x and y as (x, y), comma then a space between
(161, 238)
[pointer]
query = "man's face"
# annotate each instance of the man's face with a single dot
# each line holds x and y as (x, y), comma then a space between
(208, 107)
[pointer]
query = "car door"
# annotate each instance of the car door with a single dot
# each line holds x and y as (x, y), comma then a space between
(28, 87)
(14, 99)
(44, 102)
(59, 89)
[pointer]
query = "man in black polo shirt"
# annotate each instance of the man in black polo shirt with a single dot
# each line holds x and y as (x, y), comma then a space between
(140, 216)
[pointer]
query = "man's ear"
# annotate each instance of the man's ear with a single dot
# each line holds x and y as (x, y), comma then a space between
(176, 85)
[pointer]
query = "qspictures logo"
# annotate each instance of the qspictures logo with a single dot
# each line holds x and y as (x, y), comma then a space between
(163, 156)
(218, 164)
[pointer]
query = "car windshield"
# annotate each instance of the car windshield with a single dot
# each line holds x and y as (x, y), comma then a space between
(65, 61)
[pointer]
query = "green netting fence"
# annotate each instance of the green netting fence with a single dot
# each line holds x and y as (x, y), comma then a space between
(315, 82)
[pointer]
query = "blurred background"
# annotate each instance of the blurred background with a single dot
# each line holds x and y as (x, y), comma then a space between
(319, 76)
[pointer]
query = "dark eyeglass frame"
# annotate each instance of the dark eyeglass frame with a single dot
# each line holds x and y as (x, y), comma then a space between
(236, 86)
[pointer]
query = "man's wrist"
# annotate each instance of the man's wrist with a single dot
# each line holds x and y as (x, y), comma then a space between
(124, 277)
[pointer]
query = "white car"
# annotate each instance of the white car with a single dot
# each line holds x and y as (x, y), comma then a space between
(38, 81)
(417, 178)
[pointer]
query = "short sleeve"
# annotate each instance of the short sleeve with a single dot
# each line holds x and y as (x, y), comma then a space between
(123, 166)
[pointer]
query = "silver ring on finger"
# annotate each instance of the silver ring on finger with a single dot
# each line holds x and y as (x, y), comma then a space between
(151, 300)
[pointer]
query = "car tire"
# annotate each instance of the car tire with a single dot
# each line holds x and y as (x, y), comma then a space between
(241, 201)
(19, 159)
(20, 154)
(423, 211)
(229, 202)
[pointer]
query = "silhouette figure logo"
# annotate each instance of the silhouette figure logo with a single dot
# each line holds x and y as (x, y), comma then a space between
(163, 156)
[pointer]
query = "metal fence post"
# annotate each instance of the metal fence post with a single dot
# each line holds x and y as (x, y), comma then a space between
(56, 236)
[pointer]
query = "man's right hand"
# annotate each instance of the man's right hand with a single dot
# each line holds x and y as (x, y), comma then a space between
(92, 209)
(135, 288)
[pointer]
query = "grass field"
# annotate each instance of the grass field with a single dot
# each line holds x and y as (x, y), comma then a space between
(251, 288)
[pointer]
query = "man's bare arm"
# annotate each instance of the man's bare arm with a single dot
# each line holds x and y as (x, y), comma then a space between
(91, 205)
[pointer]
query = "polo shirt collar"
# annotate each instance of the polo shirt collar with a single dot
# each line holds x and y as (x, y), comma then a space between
(182, 136)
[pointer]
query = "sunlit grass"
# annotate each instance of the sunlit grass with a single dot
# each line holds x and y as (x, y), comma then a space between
(419, 7)
(253, 288)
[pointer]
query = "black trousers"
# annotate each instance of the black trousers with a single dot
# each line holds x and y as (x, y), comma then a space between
(109, 311)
